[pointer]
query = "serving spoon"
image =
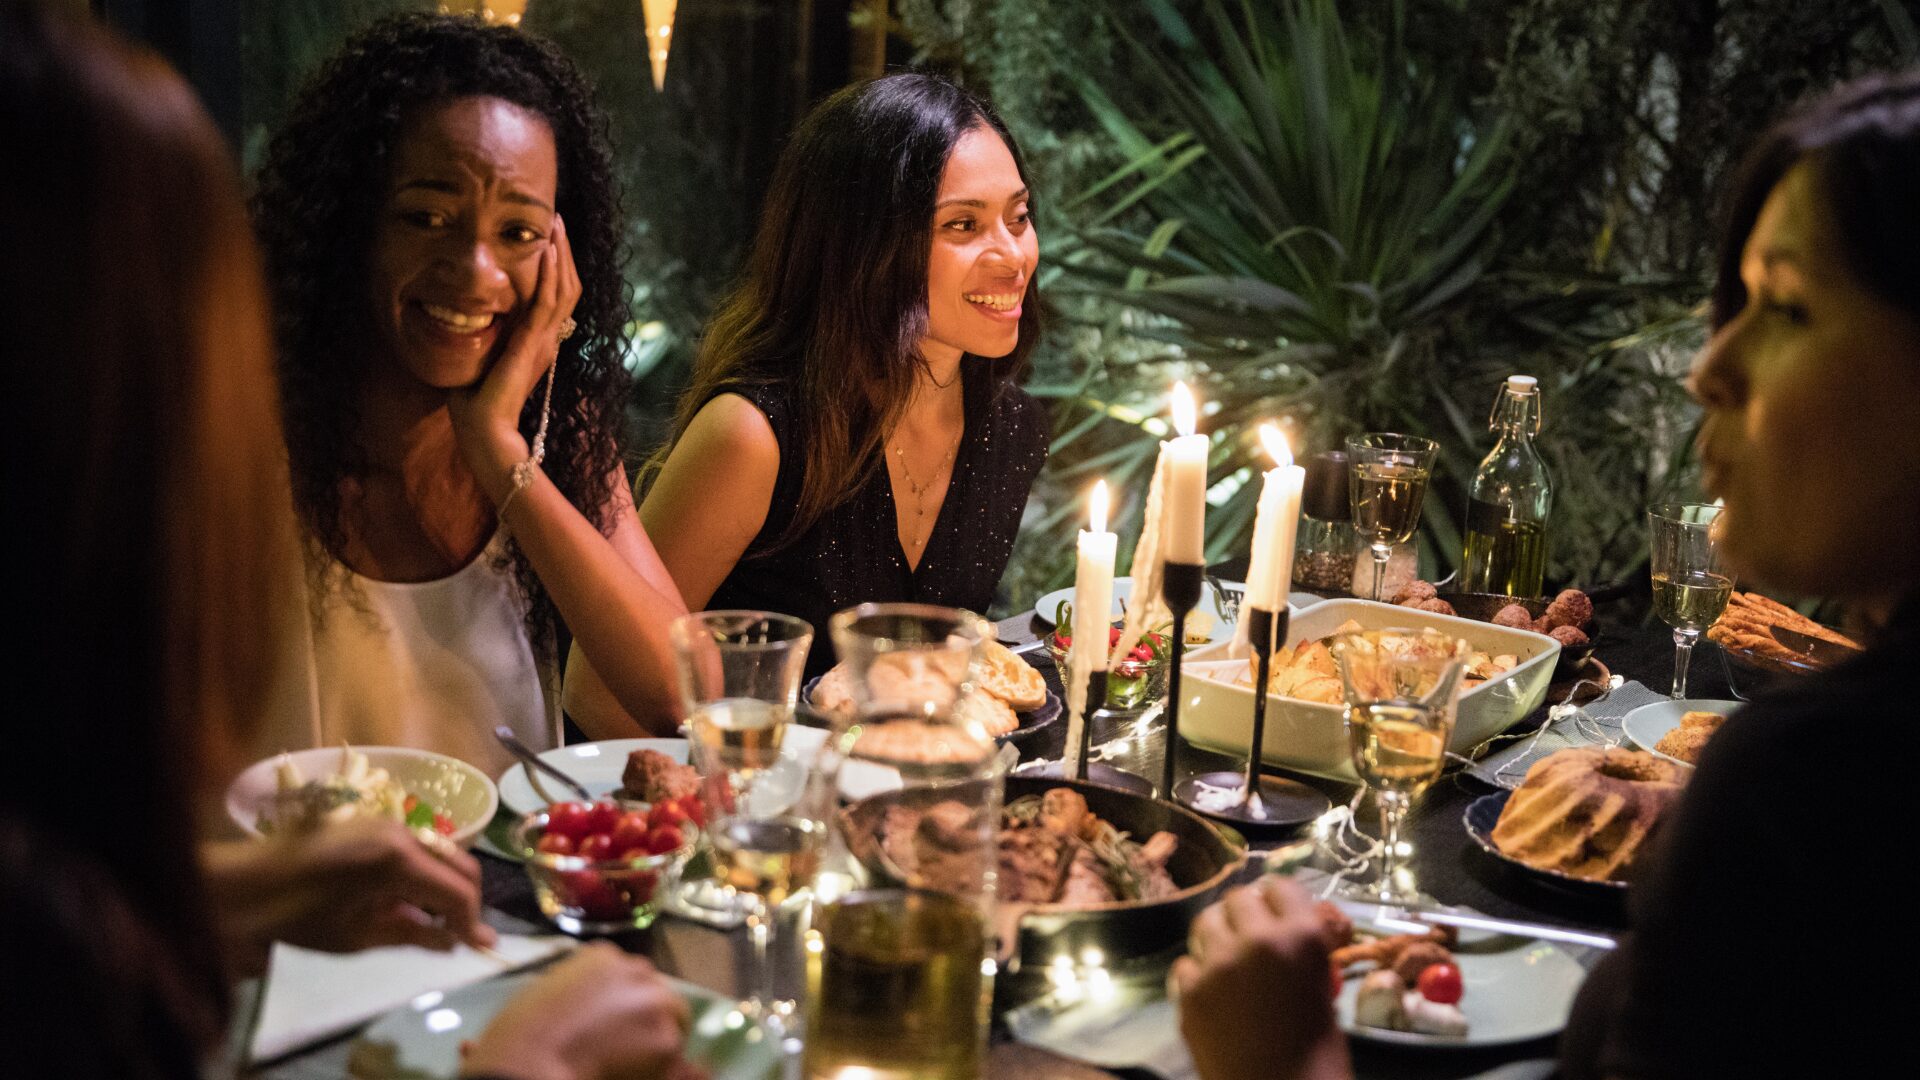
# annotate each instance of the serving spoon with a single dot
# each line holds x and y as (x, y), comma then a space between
(531, 761)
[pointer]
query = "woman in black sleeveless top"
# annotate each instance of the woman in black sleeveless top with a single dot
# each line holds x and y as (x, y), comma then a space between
(854, 431)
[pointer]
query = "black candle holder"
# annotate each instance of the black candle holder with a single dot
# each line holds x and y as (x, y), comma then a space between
(1092, 772)
(1180, 587)
(1265, 801)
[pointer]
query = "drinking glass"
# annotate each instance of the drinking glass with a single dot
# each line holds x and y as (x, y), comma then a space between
(899, 965)
(1691, 585)
(1401, 688)
(1388, 482)
(740, 674)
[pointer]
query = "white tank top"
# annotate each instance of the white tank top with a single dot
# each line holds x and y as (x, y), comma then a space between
(435, 665)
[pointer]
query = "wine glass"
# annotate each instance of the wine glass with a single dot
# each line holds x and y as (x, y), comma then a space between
(1691, 585)
(740, 674)
(1401, 688)
(1388, 482)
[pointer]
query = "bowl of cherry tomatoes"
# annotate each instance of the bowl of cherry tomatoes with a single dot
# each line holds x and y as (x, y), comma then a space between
(1136, 681)
(603, 867)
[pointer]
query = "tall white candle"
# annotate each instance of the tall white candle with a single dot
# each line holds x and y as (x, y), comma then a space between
(1093, 583)
(1275, 525)
(1185, 518)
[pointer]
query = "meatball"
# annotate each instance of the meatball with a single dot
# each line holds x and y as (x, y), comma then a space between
(1569, 637)
(1418, 957)
(1570, 608)
(1413, 592)
(1514, 616)
(1433, 604)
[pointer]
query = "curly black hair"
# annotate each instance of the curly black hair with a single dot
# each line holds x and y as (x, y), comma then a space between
(315, 204)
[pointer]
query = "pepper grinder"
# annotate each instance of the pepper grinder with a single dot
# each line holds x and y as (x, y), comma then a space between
(1325, 546)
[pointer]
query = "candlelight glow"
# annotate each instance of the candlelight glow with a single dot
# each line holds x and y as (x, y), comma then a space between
(1185, 414)
(1276, 444)
(1098, 504)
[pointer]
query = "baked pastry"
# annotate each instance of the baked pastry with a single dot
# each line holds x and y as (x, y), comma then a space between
(1586, 812)
(916, 742)
(1690, 737)
(1000, 673)
(834, 692)
(992, 714)
(1746, 629)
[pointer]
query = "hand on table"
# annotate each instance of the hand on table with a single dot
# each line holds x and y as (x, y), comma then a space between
(347, 886)
(486, 416)
(1255, 989)
(600, 1014)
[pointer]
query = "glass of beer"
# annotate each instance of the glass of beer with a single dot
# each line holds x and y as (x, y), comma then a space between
(740, 674)
(1691, 587)
(899, 963)
(1387, 483)
(1401, 688)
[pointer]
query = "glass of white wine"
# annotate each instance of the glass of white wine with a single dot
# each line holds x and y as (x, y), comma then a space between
(899, 967)
(1388, 484)
(1691, 585)
(1401, 688)
(740, 674)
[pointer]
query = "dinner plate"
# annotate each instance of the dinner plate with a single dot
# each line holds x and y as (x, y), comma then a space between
(1648, 724)
(1222, 630)
(422, 1041)
(1031, 720)
(1517, 989)
(1483, 814)
(598, 766)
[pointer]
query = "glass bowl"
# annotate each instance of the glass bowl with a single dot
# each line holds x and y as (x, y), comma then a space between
(1133, 686)
(598, 896)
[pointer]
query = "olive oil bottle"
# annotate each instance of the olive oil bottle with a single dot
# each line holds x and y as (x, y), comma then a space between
(1508, 502)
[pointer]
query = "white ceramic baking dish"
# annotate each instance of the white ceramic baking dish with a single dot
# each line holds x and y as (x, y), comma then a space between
(1312, 738)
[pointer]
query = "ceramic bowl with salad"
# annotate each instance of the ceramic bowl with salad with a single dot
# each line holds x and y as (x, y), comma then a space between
(1137, 681)
(442, 799)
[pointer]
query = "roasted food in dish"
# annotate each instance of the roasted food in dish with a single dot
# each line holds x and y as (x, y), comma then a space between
(1004, 684)
(1309, 672)
(1587, 812)
(1745, 629)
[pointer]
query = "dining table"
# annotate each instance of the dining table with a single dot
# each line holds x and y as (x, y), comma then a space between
(1449, 867)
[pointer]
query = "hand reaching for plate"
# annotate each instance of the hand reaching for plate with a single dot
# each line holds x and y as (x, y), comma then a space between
(1255, 988)
(599, 1013)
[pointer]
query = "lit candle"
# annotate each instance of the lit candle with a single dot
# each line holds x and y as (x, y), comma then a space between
(1185, 519)
(1275, 524)
(1093, 584)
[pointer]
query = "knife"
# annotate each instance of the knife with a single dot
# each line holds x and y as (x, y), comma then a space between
(1819, 651)
(1413, 920)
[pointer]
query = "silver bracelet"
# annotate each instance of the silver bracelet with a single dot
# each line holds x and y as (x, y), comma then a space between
(523, 472)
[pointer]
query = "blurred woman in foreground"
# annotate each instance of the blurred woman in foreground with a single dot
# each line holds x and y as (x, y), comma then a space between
(1739, 962)
(148, 473)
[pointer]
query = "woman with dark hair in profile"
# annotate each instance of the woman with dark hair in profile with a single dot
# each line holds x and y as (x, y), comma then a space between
(148, 485)
(442, 229)
(854, 430)
(1740, 961)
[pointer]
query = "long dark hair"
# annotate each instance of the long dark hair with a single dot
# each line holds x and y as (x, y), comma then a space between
(833, 303)
(1863, 144)
(145, 474)
(318, 193)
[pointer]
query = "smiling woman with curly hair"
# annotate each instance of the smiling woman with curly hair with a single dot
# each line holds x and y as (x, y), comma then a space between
(442, 230)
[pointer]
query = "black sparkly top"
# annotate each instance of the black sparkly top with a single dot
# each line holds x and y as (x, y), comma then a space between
(852, 554)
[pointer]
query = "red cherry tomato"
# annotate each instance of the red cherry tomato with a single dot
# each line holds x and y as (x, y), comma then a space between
(555, 843)
(602, 817)
(569, 819)
(630, 834)
(696, 810)
(595, 846)
(668, 812)
(1440, 983)
(443, 824)
(664, 839)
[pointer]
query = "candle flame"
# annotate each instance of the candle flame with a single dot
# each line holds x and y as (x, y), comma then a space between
(1098, 503)
(1276, 444)
(1185, 414)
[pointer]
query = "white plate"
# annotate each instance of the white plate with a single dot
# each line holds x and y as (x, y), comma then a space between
(1123, 590)
(598, 766)
(423, 1040)
(449, 785)
(1516, 990)
(1647, 724)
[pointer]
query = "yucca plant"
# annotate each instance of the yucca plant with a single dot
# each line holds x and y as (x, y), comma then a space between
(1290, 247)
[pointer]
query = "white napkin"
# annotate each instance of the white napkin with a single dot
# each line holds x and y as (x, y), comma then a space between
(311, 996)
